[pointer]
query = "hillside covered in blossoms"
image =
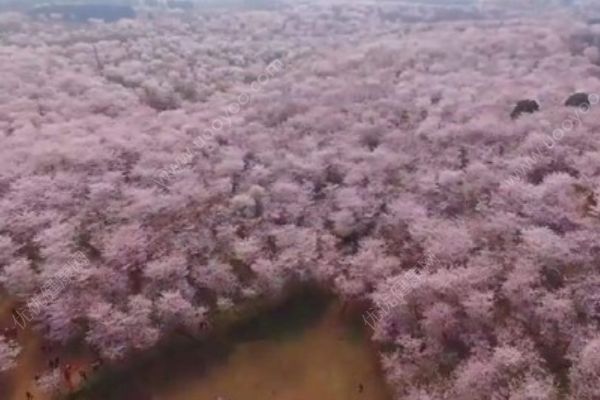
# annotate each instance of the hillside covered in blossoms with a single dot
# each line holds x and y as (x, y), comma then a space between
(439, 169)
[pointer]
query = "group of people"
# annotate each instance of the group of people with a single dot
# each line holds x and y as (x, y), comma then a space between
(67, 371)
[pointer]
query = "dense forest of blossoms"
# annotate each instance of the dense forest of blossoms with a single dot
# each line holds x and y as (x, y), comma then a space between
(376, 143)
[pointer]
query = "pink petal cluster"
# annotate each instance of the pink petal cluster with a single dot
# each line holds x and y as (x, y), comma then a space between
(8, 353)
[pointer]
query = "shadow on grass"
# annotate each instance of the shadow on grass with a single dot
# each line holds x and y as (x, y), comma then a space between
(187, 356)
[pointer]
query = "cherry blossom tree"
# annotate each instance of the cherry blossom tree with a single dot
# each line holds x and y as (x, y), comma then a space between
(212, 163)
(8, 353)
